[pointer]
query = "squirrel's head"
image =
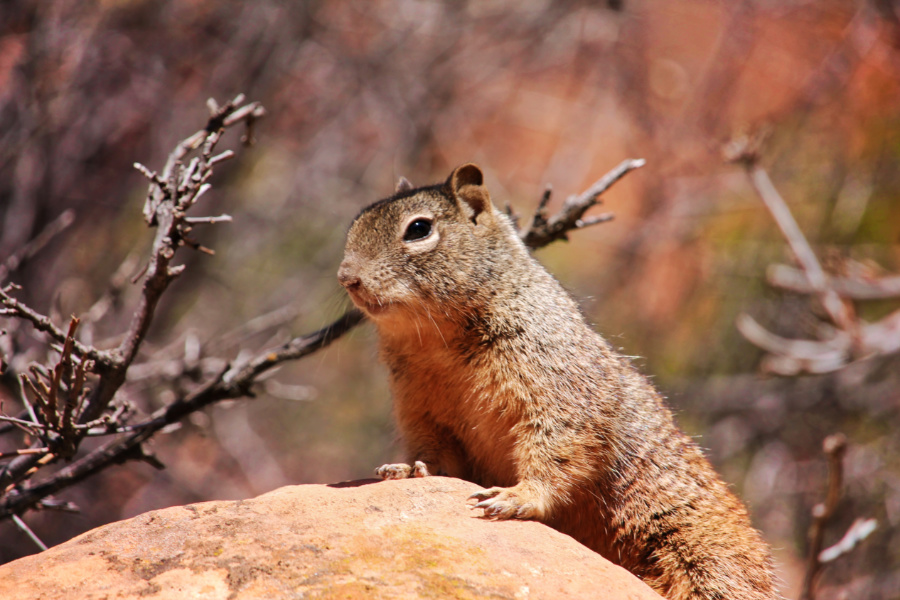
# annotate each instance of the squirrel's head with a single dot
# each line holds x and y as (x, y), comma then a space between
(422, 249)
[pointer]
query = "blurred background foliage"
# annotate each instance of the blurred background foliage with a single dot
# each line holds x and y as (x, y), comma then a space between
(536, 92)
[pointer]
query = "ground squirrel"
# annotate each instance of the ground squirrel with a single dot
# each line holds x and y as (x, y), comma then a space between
(498, 379)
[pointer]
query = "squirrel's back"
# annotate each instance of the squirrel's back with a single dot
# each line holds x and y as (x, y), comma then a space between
(498, 379)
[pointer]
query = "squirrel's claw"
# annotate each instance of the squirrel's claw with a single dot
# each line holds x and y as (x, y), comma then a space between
(484, 495)
(501, 504)
(393, 471)
(402, 470)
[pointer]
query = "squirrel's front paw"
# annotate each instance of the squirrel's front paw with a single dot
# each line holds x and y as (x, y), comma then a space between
(402, 471)
(518, 502)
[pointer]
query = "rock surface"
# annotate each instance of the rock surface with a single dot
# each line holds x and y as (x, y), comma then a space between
(395, 539)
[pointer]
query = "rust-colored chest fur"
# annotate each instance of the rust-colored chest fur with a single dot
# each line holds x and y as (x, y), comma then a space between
(459, 395)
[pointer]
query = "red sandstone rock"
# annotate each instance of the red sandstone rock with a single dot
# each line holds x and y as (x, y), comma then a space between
(392, 539)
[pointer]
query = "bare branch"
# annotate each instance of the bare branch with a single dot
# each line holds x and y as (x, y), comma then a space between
(858, 531)
(604, 218)
(164, 208)
(882, 337)
(222, 157)
(45, 325)
(22, 451)
(293, 350)
(234, 383)
(54, 228)
(854, 338)
(793, 279)
(169, 195)
(29, 427)
(258, 324)
(539, 220)
(834, 447)
(796, 356)
(208, 220)
(837, 310)
(21, 525)
(117, 284)
(791, 357)
(542, 230)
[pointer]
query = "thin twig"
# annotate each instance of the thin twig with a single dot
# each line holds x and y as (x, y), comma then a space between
(54, 228)
(29, 427)
(857, 532)
(834, 447)
(879, 288)
(21, 525)
(45, 325)
(789, 356)
(208, 220)
(28, 408)
(23, 451)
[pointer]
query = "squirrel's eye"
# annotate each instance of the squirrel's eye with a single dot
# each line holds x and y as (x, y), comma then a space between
(418, 229)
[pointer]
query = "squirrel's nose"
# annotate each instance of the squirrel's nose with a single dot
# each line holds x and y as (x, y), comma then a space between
(347, 278)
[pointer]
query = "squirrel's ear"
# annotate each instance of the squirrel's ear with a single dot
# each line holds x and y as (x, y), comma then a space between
(466, 183)
(403, 185)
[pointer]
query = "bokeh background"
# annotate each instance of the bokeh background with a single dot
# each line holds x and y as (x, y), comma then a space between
(537, 93)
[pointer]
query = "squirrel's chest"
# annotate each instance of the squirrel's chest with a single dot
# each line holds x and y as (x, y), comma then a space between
(468, 397)
(454, 380)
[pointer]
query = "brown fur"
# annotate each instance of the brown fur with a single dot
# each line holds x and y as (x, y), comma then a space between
(497, 379)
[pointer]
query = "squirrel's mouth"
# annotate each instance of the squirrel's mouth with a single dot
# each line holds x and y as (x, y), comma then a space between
(368, 304)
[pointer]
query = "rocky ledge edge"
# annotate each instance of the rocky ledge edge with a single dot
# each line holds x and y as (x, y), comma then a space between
(365, 539)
